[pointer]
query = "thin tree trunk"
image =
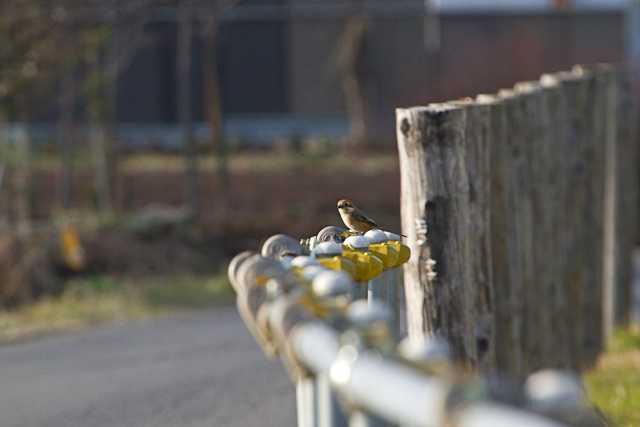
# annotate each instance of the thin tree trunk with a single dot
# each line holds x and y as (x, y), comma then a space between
(101, 173)
(112, 142)
(213, 108)
(22, 177)
(350, 51)
(4, 172)
(98, 142)
(65, 139)
(184, 69)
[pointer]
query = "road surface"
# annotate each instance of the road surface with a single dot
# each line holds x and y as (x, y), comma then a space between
(189, 371)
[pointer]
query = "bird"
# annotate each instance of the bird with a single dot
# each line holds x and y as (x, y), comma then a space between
(354, 218)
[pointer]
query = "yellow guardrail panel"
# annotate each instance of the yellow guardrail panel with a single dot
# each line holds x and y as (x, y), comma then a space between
(339, 263)
(404, 253)
(368, 265)
(386, 252)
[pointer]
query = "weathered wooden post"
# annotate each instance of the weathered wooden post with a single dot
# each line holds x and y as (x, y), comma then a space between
(608, 114)
(507, 320)
(517, 166)
(627, 155)
(556, 118)
(477, 236)
(435, 197)
(620, 195)
(574, 173)
(595, 112)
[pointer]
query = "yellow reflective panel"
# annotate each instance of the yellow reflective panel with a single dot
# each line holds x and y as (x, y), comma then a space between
(386, 252)
(340, 263)
(313, 305)
(404, 255)
(361, 262)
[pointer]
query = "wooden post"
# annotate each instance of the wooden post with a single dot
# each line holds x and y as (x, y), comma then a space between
(627, 213)
(575, 89)
(608, 113)
(595, 110)
(534, 126)
(506, 332)
(477, 222)
(435, 194)
(519, 207)
(556, 188)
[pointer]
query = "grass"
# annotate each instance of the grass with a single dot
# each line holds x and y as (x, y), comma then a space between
(614, 385)
(101, 299)
(268, 161)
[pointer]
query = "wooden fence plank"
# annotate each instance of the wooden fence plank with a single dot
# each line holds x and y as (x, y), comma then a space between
(535, 125)
(574, 173)
(596, 111)
(627, 152)
(556, 190)
(526, 202)
(433, 200)
(506, 332)
(519, 207)
(475, 212)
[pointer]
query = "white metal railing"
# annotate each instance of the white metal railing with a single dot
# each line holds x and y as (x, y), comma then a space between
(328, 307)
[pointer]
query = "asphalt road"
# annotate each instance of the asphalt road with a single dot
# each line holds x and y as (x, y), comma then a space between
(194, 370)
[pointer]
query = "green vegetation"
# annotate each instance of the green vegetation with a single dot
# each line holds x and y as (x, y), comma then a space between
(100, 299)
(614, 385)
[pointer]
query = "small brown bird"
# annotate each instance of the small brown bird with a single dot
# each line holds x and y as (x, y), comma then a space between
(354, 218)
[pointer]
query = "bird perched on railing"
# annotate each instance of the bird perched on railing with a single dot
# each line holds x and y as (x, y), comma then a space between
(354, 218)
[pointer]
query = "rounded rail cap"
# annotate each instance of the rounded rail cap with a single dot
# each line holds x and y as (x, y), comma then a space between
(357, 242)
(234, 265)
(376, 236)
(310, 272)
(329, 284)
(304, 261)
(424, 350)
(328, 248)
(279, 286)
(280, 245)
(285, 314)
(392, 236)
(330, 233)
(362, 313)
(554, 389)
(256, 270)
(287, 262)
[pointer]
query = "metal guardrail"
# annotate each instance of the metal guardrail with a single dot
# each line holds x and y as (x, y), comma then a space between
(327, 306)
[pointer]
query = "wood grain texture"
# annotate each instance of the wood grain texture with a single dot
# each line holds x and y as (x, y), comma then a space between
(627, 152)
(506, 319)
(435, 187)
(527, 202)
(556, 189)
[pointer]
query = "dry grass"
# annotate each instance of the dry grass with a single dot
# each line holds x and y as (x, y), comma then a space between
(267, 161)
(98, 300)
